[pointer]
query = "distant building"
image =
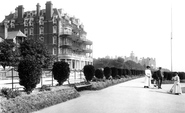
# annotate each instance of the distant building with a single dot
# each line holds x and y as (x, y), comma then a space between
(143, 61)
(63, 35)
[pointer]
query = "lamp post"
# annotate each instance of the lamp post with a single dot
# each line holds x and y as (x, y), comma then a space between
(171, 40)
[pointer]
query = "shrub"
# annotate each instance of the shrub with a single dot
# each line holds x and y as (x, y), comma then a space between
(9, 93)
(107, 72)
(89, 72)
(29, 74)
(114, 72)
(61, 71)
(37, 101)
(99, 74)
(120, 72)
(181, 75)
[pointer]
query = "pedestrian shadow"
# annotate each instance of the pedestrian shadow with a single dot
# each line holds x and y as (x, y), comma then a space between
(133, 87)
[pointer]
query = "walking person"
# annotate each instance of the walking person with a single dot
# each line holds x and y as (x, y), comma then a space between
(159, 78)
(148, 75)
(176, 88)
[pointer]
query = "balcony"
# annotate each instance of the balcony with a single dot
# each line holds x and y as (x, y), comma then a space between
(66, 45)
(87, 50)
(88, 42)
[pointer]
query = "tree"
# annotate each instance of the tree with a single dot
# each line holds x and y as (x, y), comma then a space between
(61, 71)
(37, 51)
(29, 74)
(89, 72)
(6, 53)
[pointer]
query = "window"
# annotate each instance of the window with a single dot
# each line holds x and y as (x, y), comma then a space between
(54, 39)
(31, 31)
(31, 22)
(54, 51)
(54, 29)
(41, 38)
(41, 30)
(55, 20)
(26, 31)
(25, 22)
(41, 21)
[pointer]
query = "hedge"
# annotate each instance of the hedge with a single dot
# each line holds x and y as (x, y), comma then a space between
(37, 101)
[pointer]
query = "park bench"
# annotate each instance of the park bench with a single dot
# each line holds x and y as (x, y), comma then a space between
(80, 87)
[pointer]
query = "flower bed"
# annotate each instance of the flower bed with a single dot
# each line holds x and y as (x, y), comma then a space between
(38, 100)
(106, 83)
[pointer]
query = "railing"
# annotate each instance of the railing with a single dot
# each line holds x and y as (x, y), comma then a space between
(11, 78)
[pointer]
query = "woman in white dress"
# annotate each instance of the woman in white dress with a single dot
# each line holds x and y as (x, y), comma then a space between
(148, 76)
(176, 88)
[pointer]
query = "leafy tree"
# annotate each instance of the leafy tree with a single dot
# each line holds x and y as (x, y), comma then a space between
(37, 51)
(61, 71)
(6, 53)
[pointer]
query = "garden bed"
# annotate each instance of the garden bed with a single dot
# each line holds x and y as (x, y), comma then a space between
(37, 100)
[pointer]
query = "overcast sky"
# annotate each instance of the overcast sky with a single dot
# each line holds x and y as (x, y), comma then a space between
(118, 27)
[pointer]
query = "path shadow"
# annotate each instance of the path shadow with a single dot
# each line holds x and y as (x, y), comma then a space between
(133, 87)
(161, 92)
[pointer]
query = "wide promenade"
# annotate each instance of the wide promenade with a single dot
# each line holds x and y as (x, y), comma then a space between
(128, 97)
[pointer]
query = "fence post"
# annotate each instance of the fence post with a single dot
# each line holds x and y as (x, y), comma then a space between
(12, 78)
(52, 78)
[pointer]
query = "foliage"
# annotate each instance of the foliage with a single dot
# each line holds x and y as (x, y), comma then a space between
(37, 101)
(6, 53)
(29, 74)
(114, 72)
(118, 63)
(61, 71)
(107, 72)
(99, 74)
(89, 72)
(37, 51)
(9, 93)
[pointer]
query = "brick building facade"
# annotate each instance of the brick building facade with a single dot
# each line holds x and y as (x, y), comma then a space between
(63, 35)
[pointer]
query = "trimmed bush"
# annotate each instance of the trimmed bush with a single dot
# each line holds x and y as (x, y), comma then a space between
(40, 100)
(114, 72)
(107, 72)
(89, 72)
(29, 74)
(99, 74)
(61, 72)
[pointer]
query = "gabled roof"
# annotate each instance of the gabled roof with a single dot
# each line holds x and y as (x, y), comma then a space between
(14, 34)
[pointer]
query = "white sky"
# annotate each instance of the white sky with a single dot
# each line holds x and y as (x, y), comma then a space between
(118, 27)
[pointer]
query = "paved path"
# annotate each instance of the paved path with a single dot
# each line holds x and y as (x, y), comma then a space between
(128, 97)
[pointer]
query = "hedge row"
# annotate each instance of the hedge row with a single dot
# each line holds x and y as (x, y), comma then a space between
(90, 72)
(169, 75)
(37, 101)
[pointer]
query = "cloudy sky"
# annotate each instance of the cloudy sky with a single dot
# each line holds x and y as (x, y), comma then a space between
(118, 27)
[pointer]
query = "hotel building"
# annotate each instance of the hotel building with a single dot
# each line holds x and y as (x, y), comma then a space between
(63, 35)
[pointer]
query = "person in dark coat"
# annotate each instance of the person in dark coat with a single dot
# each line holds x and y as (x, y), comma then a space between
(159, 78)
(154, 76)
